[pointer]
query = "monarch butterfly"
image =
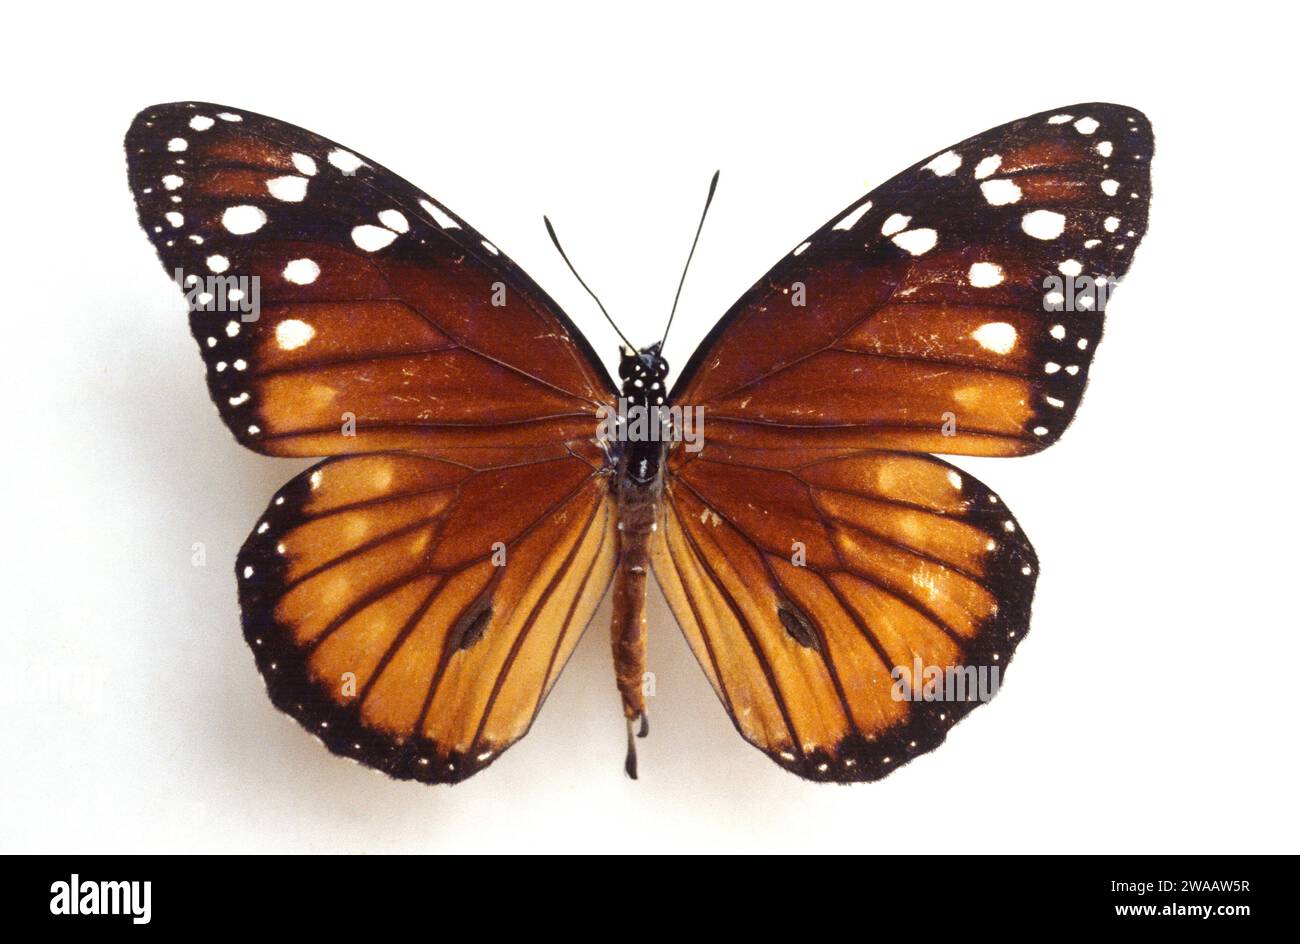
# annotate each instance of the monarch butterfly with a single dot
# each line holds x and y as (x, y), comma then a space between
(412, 598)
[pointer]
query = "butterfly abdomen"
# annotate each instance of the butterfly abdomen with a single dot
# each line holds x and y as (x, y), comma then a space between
(638, 512)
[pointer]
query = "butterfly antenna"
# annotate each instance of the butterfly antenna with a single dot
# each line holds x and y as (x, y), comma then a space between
(713, 185)
(555, 239)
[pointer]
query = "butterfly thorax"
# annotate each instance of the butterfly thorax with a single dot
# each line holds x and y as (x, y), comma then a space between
(642, 429)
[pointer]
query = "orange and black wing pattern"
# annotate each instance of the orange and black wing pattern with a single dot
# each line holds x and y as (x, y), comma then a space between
(413, 612)
(931, 314)
(410, 600)
(849, 595)
(374, 302)
(818, 589)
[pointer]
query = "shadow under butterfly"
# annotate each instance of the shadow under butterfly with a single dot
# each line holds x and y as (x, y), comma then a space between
(412, 598)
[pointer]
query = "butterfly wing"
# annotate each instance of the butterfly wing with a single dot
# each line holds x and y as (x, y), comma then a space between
(814, 553)
(411, 600)
(414, 612)
(925, 322)
(383, 320)
(805, 580)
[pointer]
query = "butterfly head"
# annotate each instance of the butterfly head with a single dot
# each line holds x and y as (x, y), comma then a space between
(643, 374)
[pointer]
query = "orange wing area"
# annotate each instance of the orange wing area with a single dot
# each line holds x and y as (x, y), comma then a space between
(955, 309)
(807, 581)
(849, 596)
(382, 320)
(412, 602)
(414, 612)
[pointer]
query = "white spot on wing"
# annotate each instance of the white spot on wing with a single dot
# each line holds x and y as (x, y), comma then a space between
(372, 238)
(850, 219)
(242, 220)
(1000, 192)
(288, 189)
(944, 164)
(439, 217)
(291, 334)
(917, 241)
(1043, 224)
(896, 223)
(345, 161)
(988, 166)
(996, 336)
(394, 221)
(301, 272)
(986, 274)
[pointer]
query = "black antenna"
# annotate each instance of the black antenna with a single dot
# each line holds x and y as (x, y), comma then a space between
(555, 239)
(713, 185)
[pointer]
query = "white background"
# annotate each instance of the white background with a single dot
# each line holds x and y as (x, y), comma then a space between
(1149, 710)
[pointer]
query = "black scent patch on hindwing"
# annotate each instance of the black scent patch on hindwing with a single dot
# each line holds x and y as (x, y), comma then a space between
(797, 624)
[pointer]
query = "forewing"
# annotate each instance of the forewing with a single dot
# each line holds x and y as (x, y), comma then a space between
(365, 315)
(926, 317)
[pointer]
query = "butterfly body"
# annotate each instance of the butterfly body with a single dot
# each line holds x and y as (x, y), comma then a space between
(412, 598)
(639, 453)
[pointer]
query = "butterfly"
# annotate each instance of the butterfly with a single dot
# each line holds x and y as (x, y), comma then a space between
(412, 598)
